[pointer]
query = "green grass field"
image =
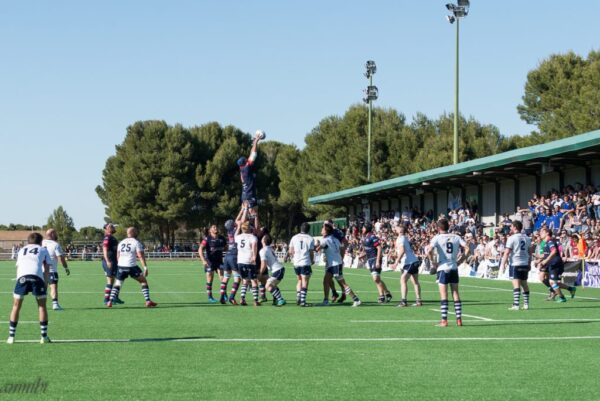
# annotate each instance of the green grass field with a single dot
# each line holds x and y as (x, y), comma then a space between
(187, 349)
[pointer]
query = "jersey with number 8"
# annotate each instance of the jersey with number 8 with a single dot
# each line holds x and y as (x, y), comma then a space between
(128, 249)
(244, 245)
(447, 247)
(302, 245)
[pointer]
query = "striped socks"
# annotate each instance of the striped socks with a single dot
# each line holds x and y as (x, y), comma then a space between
(303, 292)
(526, 297)
(263, 291)
(209, 289)
(44, 328)
(516, 296)
(107, 290)
(243, 291)
(146, 292)
(114, 293)
(276, 293)
(12, 328)
(255, 293)
(457, 309)
(234, 289)
(444, 309)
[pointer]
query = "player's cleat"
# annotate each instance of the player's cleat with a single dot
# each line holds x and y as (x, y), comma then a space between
(298, 301)
(232, 301)
(334, 298)
(243, 302)
(402, 304)
(263, 299)
(561, 300)
(458, 322)
(45, 340)
(572, 292)
(388, 298)
(550, 297)
(324, 303)
(223, 299)
(356, 303)
(118, 301)
(211, 300)
(57, 307)
(281, 302)
(380, 300)
(514, 307)
(10, 340)
(526, 307)
(304, 305)
(150, 304)
(442, 323)
(256, 303)
(108, 304)
(342, 299)
(418, 303)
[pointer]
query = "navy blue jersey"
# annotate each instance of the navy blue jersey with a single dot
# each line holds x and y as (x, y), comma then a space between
(339, 235)
(231, 245)
(111, 244)
(556, 260)
(370, 244)
(214, 247)
(248, 177)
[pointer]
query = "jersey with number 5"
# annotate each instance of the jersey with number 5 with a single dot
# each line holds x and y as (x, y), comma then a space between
(519, 245)
(244, 243)
(128, 249)
(447, 247)
(302, 245)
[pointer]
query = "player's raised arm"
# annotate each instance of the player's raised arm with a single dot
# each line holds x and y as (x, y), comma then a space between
(253, 153)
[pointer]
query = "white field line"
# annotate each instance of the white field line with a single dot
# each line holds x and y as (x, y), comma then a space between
(314, 340)
(582, 320)
(473, 316)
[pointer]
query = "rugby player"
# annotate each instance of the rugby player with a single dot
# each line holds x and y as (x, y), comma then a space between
(332, 249)
(33, 262)
(269, 263)
(128, 251)
(302, 252)
(260, 232)
(109, 261)
(410, 267)
(214, 246)
(339, 234)
(518, 249)
(248, 177)
(372, 254)
(56, 253)
(247, 254)
(553, 263)
(447, 247)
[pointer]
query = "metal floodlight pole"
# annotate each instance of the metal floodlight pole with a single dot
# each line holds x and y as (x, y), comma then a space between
(456, 90)
(369, 129)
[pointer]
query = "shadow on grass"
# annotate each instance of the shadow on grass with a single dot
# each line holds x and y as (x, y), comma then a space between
(515, 323)
(134, 340)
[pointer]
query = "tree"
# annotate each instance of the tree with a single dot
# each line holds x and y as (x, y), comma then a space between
(62, 223)
(89, 233)
(562, 97)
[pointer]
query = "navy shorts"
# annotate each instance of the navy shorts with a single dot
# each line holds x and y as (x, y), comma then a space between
(412, 268)
(250, 198)
(248, 272)
(450, 277)
(30, 283)
(109, 272)
(212, 265)
(124, 272)
(278, 275)
(229, 263)
(372, 265)
(335, 271)
(555, 272)
(519, 272)
(53, 278)
(303, 270)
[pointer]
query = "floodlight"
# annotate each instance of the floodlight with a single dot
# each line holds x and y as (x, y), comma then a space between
(450, 18)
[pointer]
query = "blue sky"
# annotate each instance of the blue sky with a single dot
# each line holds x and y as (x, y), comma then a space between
(74, 75)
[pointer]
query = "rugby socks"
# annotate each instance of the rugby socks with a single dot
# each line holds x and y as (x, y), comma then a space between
(243, 291)
(444, 309)
(114, 294)
(348, 291)
(12, 328)
(263, 291)
(44, 328)
(55, 301)
(299, 296)
(276, 293)
(526, 297)
(146, 292)
(223, 289)
(209, 289)
(107, 290)
(234, 289)
(516, 296)
(457, 309)
(381, 299)
(303, 293)
(255, 293)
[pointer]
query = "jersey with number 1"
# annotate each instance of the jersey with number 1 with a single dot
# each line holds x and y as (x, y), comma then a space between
(447, 247)
(519, 245)
(244, 243)
(128, 249)
(302, 244)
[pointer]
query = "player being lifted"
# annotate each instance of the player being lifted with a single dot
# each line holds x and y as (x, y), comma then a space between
(248, 177)
(332, 249)
(410, 267)
(109, 261)
(33, 264)
(447, 247)
(302, 252)
(270, 263)
(372, 254)
(129, 250)
(214, 246)
(56, 253)
(554, 264)
(518, 249)
(247, 255)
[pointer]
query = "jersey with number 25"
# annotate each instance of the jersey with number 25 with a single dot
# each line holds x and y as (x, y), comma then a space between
(128, 249)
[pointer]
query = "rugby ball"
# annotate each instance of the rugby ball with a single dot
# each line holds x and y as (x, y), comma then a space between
(260, 134)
